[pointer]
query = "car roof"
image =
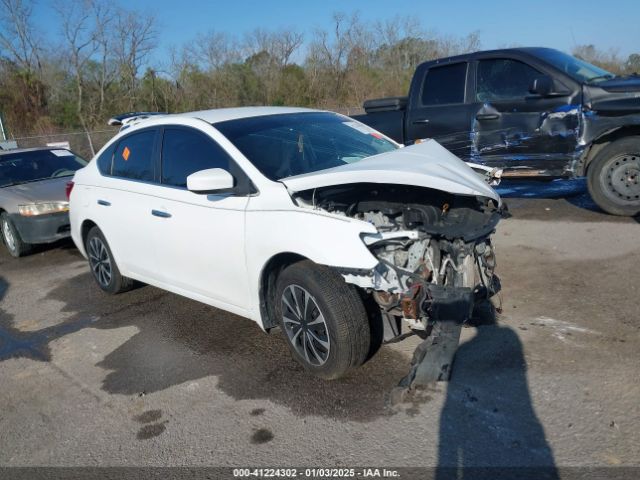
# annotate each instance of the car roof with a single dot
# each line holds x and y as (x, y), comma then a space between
(210, 116)
(223, 114)
(467, 56)
(33, 149)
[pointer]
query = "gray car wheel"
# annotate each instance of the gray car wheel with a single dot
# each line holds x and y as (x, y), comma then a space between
(11, 237)
(613, 177)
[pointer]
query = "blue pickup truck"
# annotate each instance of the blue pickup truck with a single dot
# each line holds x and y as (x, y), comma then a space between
(534, 112)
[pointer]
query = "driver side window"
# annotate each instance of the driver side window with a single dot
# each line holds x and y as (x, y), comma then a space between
(186, 151)
(503, 79)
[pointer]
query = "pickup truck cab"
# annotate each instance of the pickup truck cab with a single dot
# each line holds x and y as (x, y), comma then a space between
(534, 112)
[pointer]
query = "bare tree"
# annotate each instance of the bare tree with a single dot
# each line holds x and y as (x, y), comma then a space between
(213, 50)
(21, 52)
(17, 35)
(136, 37)
(79, 36)
(280, 44)
(104, 24)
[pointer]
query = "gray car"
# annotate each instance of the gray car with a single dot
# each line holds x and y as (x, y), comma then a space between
(33, 203)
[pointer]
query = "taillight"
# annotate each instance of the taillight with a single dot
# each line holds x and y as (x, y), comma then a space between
(67, 189)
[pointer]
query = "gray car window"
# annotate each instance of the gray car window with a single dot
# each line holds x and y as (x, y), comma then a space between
(34, 165)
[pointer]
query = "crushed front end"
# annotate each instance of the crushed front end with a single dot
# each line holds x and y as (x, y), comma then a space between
(436, 262)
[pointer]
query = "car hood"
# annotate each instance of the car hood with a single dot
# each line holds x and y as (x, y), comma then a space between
(629, 83)
(426, 164)
(48, 190)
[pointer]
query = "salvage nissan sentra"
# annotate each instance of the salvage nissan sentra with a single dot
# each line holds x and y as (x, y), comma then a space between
(299, 219)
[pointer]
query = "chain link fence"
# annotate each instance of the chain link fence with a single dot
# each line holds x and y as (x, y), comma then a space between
(84, 144)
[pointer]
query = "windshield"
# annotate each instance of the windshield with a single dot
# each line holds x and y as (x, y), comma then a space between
(284, 145)
(579, 70)
(31, 166)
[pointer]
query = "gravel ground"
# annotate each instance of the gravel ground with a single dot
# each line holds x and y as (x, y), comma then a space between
(150, 378)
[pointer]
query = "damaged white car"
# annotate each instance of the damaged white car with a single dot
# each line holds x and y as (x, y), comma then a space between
(299, 219)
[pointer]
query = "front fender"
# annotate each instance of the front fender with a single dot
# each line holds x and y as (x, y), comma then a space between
(323, 238)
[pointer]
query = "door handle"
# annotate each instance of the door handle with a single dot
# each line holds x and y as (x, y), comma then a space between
(487, 116)
(104, 203)
(160, 213)
(421, 121)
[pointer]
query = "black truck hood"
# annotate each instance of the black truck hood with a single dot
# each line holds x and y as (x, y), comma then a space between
(629, 83)
(618, 96)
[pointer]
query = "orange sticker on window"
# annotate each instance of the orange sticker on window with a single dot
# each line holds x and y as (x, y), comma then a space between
(125, 153)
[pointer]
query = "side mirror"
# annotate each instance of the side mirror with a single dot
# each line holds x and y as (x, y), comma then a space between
(542, 85)
(210, 180)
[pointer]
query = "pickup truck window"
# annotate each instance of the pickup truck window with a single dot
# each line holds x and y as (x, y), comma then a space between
(577, 69)
(503, 79)
(444, 85)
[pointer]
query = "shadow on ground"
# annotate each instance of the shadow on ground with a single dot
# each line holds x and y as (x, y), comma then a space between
(179, 340)
(488, 423)
(15, 343)
(488, 419)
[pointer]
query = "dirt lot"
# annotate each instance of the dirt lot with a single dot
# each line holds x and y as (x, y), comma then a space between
(150, 378)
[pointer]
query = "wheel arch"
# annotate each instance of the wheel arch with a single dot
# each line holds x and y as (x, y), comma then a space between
(267, 286)
(86, 226)
(598, 143)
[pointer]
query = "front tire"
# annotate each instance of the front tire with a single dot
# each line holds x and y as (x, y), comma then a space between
(11, 237)
(323, 319)
(613, 177)
(103, 266)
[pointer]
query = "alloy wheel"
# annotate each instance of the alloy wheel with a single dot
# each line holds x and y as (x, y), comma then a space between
(305, 325)
(100, 261)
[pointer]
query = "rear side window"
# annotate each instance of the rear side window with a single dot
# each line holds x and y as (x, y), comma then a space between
(503, 79)
(134, 156)
(105, 158)
(187, 151)
(445, 85)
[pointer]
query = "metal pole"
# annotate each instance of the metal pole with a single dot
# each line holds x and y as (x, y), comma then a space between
(4, 137)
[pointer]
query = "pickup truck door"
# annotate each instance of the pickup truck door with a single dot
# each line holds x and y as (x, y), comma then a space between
(528, 135)
(439, 108)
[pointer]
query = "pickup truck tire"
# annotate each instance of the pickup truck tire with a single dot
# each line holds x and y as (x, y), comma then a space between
(103, 266)
(613, 177)
(323, 319)
(11, 237)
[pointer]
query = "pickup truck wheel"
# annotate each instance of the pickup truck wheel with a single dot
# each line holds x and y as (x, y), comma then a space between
(103, 266)
(323, 319)
(11, 237)
(613, 177)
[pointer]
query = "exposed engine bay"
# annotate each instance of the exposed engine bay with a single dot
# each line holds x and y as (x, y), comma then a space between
(434, 248)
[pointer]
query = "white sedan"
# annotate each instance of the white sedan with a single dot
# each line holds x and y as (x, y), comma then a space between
(300, 219)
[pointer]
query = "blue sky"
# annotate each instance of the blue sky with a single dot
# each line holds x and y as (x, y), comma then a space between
(558, 24)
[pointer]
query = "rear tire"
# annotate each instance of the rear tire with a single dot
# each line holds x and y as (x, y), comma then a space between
(323, 319)
(103, 266)
(613, 177)
(11, 237)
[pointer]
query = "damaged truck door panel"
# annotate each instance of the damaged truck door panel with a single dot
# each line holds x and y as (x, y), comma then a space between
(299, 219)
(533, 112)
